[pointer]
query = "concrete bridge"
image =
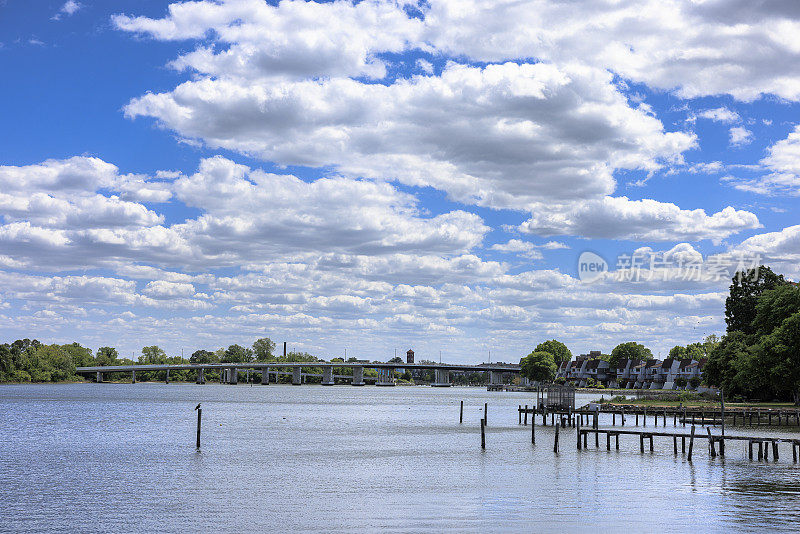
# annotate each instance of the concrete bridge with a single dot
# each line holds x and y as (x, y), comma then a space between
(230, 371)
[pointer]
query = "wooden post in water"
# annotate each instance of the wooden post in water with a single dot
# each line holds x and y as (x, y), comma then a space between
(461, 413)
(644, 418)
(691, 445)
(533, 427)
(526, 415)
(623, 417)
(641, 443)
(519, 413)
(555, 442)
(750, 450)
(483, 433)
(722, 440)
(578, 434)
(665, 417)
(711, 443)
(675, 445)
(774, 451)
(485, 410)
(199, 417)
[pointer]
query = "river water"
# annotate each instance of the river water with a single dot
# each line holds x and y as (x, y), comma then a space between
(122, 458)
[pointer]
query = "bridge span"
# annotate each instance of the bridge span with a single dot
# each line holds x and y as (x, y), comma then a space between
(230, 371)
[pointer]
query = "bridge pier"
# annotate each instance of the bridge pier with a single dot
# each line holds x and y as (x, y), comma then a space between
(265, 376)
(166, 377)
(233, 375)
(133, 376)
(494, 378)
(201, 379)
(358, 376)
(99, 377)
(441, 378)
(384, 377)
(297, 377)
(327, 376)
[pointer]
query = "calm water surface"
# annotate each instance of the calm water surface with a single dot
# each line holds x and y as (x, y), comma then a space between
(121, 458)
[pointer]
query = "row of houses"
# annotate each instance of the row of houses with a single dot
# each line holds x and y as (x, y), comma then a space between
(632, 374)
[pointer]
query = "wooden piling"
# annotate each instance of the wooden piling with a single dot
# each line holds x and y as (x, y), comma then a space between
(691, 445)
(644, 418)
(623, 417)
(578, 434)
(750, 450)
(675, 445)
(760, 450)
(555, 442)
(711, 443)
(461, 413)
(641, 443)
(483, 433)
(526, 415)
(533, 428)
(199, 418)
(794, 452)
(485, 410)
(637, 418)
(519, 413)
(774, 451)
(608, 441)
(683, 445)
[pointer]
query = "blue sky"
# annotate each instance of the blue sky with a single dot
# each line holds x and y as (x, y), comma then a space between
(381, 176)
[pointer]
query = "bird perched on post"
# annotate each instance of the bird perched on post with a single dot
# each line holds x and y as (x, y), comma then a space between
(197, 407)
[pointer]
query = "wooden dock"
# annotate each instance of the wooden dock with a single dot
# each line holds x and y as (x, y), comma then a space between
(764, 443)
(687, 416)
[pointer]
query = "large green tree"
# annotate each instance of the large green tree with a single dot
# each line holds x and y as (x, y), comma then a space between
(629, 350)
(539, 366)
(237, 354)
(746, 287)
(203, 356)
(264, 349)
(153, 355)
(557, 350)
(106, 356)
(778, 354)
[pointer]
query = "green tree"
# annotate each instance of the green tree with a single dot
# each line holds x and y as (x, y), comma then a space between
(264, 349)
(746, 287)
(237, 354)
(106, 356)
(153, 355)
(557, 350)
(778, 353)
(725, 362)
(203, 356)
(630, 350)
(538, 366)
(773, 307)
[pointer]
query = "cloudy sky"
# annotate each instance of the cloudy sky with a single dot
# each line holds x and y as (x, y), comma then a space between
(380, 175)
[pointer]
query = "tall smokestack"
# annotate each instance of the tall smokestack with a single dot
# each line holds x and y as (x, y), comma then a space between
(284, 349)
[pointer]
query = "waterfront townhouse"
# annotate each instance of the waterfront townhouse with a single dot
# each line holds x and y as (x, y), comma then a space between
(622, 376)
